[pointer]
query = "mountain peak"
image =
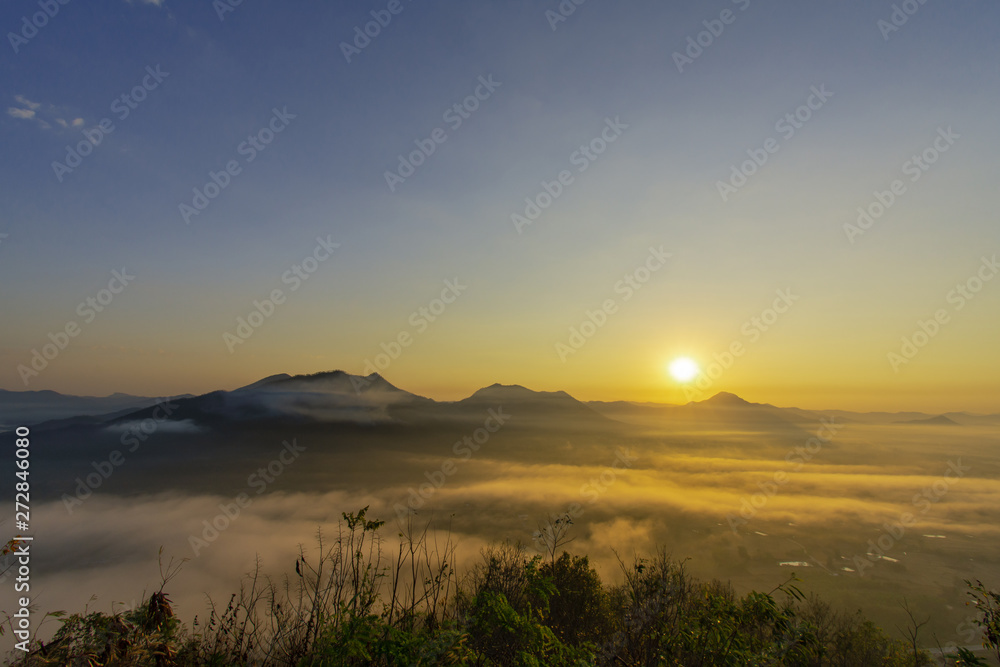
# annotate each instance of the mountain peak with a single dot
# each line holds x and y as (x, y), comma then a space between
(726, 399)
(506, 391)
(264, 381)
(517, 393)
(940, 420)
(336, 381)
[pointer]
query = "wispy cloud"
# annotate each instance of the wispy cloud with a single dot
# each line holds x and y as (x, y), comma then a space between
(20, 113)
(25, 102)
(45, 116)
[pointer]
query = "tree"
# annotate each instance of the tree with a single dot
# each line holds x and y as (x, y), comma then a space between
(553, 534)
(988, 604)
(912, 631)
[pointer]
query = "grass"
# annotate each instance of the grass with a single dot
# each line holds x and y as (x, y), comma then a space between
(352, 603)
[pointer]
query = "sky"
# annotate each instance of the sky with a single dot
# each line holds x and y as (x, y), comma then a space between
(504, 193)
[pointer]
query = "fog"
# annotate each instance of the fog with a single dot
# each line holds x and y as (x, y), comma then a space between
(736, 506)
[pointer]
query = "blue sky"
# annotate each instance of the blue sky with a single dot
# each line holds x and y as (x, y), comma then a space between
(656, 185)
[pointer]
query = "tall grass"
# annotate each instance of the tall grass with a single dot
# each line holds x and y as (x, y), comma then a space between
(350, 602)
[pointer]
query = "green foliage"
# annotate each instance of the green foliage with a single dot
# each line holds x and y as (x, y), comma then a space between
(579, 609)
(349, 605)
(988, 604)
(148, 635)
(506, 614)
(966, 658)
(668, 618)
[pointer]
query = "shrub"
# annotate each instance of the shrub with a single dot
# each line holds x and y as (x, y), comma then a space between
(349, 604)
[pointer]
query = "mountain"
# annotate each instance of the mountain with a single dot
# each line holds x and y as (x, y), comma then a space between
(352, 427)
(538, 409)
(329, 382)
(960, 418)
(724, 400)
(336, 397)
(720, 412)
(515, 396)
(730, 409)
(940, 420)
(363, 428)
(329, 397)
(27, 408)
(967, 419)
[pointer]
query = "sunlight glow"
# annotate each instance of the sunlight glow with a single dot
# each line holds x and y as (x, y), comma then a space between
(684, 369)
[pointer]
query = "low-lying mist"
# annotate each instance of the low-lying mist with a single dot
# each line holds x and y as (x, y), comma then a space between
(864, 515)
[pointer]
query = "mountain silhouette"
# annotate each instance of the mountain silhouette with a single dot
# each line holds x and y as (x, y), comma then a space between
(726, 400)
(27, 408)
(353, 425)
(940, 420)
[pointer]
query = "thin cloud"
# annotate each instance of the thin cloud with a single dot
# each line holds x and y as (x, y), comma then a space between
(26, 110)
(20, 113)
(25, 102)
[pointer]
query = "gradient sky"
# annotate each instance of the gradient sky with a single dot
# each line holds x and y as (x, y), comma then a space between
(655, 186)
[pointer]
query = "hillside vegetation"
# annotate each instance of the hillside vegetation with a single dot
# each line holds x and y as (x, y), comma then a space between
(354, 604)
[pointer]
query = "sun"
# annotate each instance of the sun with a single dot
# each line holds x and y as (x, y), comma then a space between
(684, 369)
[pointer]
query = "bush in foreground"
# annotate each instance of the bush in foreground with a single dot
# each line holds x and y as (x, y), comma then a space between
(352, 604)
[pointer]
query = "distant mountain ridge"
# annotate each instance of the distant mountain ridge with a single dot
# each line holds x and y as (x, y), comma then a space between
(532, 405)
(352, 424)
(27, 408)
(337, 397)
(725, 399)
(331, 396)
(732, 410)
(940, 420)
(722, 410)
